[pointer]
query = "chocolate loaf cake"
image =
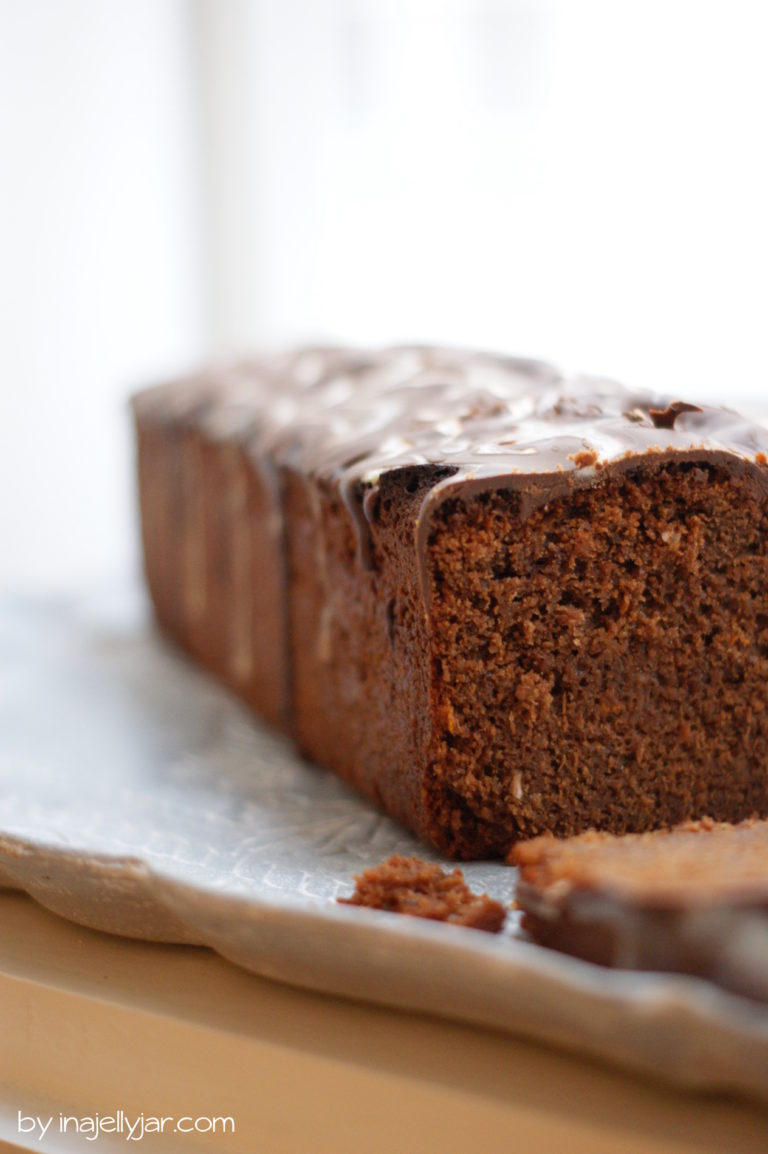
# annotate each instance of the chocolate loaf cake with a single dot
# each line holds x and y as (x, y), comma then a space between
(690, 900)
(497, 601)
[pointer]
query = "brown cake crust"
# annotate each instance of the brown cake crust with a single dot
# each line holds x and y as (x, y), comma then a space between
(212, 523)
(408, 885)
(693, 899)
(497, 601)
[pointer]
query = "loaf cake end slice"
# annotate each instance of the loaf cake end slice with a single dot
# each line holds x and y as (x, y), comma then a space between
(691, 900)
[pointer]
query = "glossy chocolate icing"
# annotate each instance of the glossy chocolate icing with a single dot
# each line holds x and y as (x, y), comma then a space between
(465, 421)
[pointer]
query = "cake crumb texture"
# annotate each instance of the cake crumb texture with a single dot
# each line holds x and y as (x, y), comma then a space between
(408, 885)
(601, 662)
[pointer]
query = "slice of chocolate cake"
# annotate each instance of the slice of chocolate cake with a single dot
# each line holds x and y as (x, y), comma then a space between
(498, 601)
(692, 900)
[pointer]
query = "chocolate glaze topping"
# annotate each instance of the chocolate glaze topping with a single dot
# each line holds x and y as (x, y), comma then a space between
(465, 421)
(665, 418)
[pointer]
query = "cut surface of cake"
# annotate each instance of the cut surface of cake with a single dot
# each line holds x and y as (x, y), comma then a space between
(693, 899)
(496, 600)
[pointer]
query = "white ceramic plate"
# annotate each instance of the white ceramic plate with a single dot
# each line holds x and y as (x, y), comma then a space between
(138, 797)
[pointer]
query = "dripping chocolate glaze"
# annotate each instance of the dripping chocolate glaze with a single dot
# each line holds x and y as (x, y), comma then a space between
(462, 422)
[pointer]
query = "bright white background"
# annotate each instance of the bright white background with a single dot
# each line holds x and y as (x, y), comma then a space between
(583, 180)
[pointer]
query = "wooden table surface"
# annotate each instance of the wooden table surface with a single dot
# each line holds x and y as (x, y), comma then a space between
(93, 1024)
